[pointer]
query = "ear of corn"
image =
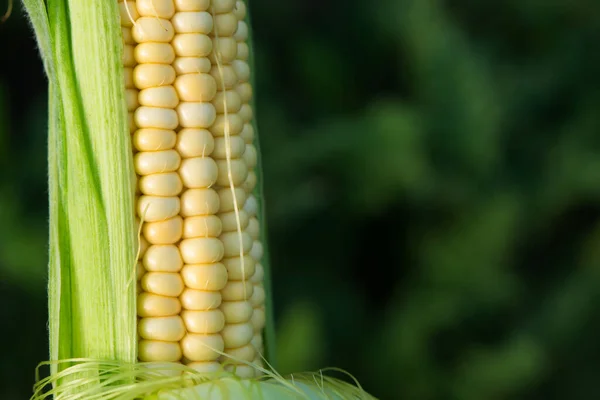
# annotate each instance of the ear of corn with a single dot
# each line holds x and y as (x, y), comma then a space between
(151, 116)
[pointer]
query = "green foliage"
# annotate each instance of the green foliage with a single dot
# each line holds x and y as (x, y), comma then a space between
(432, 176)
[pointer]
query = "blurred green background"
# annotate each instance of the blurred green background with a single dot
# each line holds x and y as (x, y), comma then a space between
(432, 176)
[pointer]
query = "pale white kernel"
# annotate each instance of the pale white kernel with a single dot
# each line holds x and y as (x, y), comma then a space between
(193, 22)
(224, 76)
(154, 162)
(259, 319)
(193, 142)
(155, 117)
(253, 228)
(224, 50)
(257, 250)
(243, 51)
(150, 75)
(192, 299)
(232, 245)
(155, 208)
(196, 87)
(201, 250)
(237, 291)
(244, 353)
(235, 145)
(259, 274)
(198, 172)
(236, 312)
(168, 184)
(153, 305)
(156, 8)
(155, 53)
(251, 206)
(231, 172)
(202, 226)
(258, 297)
(225, 24)
(164, 232)
(229, 220)
(199, 202)
(152, 29)
(196, 115)
(169, 329)
(232, 125)
(206, 322)
(204, 367)
(240, 10)
(154, 350)
(257, 342)
(239, 269)
(229, 201)
(246, 112)
(250, 182)
(229, 100)
(163, 283)
(242, 70)
(192, 45)
(163, 258)
(161, 96)
(241, 33)
(247, 133)
(245, 91)
(242, 371)
(237, 335)
(198, 347)
(250, 156)
(222, 6)
(209, 277)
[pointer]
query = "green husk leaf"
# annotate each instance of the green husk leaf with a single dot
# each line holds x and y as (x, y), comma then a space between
(92, 226)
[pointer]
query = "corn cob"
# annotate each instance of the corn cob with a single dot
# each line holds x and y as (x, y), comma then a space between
(188, 97)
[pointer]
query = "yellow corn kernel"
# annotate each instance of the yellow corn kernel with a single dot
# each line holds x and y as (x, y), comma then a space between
(170, 329)
(163, 258)
(236, 312)
(199, 202)
(209, 277)
(163, 283)
(193, 22)
(204, 322)
(153, 350)
(153, 305)
(237, 335)
(240, 269)
(155, 208)
(232, 221)
(199, 347)
(161, 96)
(198, 172)
(168, 184)
(163, 232)
(200, 300)
(152, 29)
(156, 8)
(202, 226)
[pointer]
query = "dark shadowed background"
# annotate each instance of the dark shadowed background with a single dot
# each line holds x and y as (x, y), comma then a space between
(432, 175)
